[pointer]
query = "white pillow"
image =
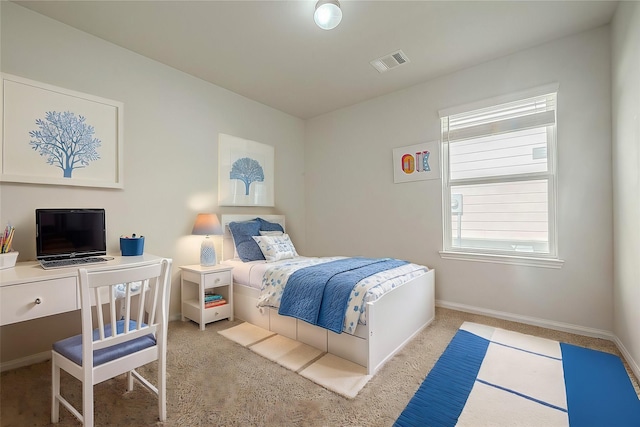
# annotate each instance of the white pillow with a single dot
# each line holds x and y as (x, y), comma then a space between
(275, 248)
(271, 233)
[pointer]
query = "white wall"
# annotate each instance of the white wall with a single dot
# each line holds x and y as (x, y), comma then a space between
(626, 185)
(171, 125)
(354, 208)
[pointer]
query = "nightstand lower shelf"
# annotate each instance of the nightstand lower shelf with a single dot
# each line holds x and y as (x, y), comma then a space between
(191, 310)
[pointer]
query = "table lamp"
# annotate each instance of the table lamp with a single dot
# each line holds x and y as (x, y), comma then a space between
(206, 225)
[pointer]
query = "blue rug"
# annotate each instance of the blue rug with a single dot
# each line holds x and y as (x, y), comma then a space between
(490, 376)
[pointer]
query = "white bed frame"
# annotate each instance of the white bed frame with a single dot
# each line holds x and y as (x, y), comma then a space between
(392, 320)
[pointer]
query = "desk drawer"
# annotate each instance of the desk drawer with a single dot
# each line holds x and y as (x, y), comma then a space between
(19, 302)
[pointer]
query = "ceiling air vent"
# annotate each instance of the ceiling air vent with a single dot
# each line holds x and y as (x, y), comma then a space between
(390, 61)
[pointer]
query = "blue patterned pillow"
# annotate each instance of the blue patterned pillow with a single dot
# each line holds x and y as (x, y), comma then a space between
(275, 248)
(269, 226)
(242, 232)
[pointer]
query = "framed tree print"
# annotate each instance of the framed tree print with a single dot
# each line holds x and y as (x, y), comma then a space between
(245, 172)
(52, 135)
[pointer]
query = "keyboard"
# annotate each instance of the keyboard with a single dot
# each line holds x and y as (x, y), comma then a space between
(61, 263)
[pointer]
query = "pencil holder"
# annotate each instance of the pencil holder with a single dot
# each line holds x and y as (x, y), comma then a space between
(131, 246)
(8, 260)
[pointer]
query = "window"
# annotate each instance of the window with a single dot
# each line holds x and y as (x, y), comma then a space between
(499, 183)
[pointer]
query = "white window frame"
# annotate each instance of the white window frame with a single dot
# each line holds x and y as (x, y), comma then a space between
(551, 259)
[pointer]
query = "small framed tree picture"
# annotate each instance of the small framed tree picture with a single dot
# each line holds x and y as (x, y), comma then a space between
(58, 136)
(245, 172)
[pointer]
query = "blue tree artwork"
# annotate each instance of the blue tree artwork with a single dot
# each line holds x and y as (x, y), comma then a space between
(65, 141)
(247, 170)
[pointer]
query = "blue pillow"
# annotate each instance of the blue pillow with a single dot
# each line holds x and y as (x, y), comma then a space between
(269, 226)
(242, 232)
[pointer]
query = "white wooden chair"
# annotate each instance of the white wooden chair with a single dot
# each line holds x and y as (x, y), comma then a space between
(130, 332)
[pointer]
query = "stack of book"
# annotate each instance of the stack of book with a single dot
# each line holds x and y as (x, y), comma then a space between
(213, 300)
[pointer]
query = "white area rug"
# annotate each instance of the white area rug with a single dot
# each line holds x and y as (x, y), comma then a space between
(333, 373)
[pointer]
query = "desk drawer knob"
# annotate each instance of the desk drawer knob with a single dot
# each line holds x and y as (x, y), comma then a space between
(218, 280)
(38, 301)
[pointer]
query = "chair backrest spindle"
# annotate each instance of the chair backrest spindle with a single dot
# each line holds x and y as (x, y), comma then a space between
(99, 315)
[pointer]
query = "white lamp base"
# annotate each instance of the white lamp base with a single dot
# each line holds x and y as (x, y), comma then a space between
(207, 253)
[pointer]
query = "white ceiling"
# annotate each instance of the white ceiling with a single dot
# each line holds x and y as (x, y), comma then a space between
(272, 52)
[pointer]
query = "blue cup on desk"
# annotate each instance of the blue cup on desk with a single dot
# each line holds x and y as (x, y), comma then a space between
(132, 246)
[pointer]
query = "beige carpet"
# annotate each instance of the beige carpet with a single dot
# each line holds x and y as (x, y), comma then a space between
(334, 373)
(213, 381)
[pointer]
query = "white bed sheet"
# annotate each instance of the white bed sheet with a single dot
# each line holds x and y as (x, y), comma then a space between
(248, 273)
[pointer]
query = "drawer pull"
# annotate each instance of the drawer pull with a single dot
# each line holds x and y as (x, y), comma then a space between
(38, 301)
(218, 280)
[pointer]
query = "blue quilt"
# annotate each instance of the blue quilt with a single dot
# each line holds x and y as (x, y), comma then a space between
(319, 294)
(489, 376)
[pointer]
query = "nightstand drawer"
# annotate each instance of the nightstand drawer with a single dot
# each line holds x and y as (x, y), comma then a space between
(212, 280)
(217, 313)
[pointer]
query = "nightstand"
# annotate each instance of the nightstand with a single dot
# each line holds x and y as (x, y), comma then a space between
(195, 280)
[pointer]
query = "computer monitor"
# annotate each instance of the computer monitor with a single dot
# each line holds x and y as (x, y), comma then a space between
(70, 233)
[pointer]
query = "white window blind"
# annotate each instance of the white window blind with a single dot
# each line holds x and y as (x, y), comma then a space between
(519, 115)
(499, 179)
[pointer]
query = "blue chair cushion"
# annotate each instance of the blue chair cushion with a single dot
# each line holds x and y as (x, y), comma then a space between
(71, 347)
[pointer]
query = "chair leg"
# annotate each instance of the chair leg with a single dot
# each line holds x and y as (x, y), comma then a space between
(87, 403)
(162, 387)
(55, 391)
(130, 381)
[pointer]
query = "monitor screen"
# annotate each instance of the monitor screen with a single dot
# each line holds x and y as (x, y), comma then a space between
(68, 233)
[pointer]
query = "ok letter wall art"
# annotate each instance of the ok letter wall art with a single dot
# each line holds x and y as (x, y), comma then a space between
(416, 162)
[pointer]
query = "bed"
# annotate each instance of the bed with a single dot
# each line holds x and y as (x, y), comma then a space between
(390, 319)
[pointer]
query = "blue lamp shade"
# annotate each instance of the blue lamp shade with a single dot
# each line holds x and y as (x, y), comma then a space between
(206, 225)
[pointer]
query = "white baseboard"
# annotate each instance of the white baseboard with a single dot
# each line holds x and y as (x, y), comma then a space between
(549, 324)
(25, 361)
(627, 356)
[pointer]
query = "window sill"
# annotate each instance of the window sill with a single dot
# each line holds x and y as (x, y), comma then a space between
(504, 259)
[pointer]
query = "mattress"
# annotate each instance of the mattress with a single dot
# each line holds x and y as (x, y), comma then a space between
(248, 273)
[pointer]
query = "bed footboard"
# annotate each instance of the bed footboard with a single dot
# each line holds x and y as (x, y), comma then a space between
(397, 317)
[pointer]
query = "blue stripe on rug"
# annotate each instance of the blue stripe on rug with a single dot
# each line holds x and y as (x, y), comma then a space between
(524, 396)
(442, 395)
(599, 391)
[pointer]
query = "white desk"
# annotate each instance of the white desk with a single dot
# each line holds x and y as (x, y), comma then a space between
(27, 291)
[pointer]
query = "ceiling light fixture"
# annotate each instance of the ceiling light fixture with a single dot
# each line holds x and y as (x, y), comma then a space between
(328, 14)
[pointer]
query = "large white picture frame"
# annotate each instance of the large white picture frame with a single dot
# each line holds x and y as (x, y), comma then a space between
(245, 172)
(52, 135)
